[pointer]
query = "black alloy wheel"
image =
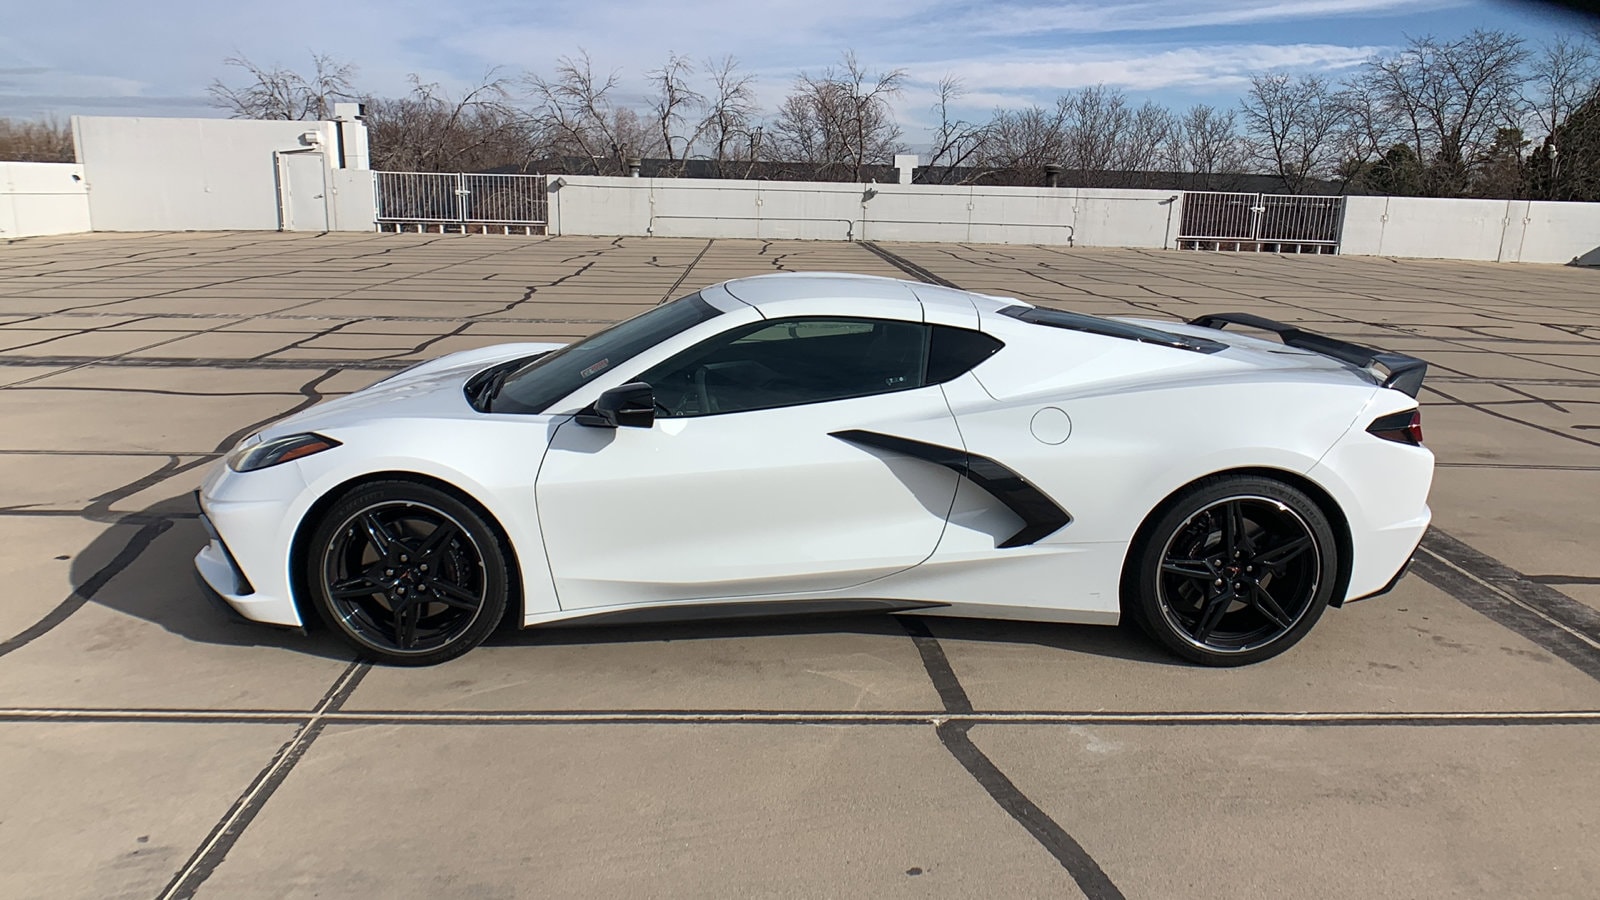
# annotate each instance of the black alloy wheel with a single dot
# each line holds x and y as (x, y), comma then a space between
(1238, 570)
(407, 574)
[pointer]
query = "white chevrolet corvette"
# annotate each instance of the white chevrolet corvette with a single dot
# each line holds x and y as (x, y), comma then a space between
(797, 443)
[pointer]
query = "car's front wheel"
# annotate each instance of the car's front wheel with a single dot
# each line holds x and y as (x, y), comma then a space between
(407, 574)
(1236, 570)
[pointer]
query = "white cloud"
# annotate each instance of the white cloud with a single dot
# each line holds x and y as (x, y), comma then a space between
(1140, 69)
(1033, 19)
(112, 54)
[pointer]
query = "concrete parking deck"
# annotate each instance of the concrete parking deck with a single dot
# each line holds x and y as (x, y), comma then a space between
(1438, 741)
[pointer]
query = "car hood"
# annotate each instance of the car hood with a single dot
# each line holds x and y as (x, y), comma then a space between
(431, 390)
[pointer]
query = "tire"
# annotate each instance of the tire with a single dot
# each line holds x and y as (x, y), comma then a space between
(1235, 570)
(407, 574)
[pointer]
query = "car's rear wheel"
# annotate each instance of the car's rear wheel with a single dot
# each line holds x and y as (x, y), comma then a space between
(407, 574)
(1235, 570)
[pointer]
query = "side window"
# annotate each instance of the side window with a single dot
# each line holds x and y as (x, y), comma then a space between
(790, 362)
(952, 352)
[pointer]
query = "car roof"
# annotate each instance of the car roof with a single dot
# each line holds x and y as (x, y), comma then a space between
(767, 292)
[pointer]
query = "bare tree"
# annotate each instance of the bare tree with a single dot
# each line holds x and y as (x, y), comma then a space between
(575, 112)
(1092, 134)
(674, 101)
(1022, 142)
(1292, 124)
(38, 140)
(429, 130)
(1366, 131)
(728, 132)
(1567, 165)
(1141, 151)
(1095, 124)
(1500, 171)
(1449, 100)
(1564, 73)
(840, 122)
(1208, 146)
(956, 142)
(278, 93)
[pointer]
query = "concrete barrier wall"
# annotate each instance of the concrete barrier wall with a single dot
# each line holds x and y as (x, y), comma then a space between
(1418, 227)
(42, 198)
(1494, 230)
(1557, 233)
(221, 174)
(670, 207)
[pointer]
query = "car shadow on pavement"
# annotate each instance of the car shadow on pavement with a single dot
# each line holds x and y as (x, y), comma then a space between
(145, 568)
(1094, 640)
(153, 578)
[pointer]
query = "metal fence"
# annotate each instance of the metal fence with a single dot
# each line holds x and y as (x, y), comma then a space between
(452, 201)
(1272, 223)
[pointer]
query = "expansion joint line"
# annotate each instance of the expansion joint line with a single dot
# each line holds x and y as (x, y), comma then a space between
(214, 849)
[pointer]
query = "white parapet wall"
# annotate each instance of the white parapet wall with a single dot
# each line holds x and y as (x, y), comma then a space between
(686, 207)
(1555, 232)
(1494, 230)
(42, 198)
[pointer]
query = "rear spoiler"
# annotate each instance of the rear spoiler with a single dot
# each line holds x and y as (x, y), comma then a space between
(1404, 372)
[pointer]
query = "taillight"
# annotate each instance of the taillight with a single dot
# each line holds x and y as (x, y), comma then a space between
(1401, 427)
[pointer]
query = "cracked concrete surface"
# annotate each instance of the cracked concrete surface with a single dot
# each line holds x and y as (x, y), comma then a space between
(1435, 741)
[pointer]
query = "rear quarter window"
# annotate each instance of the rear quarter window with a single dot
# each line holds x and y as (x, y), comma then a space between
(952, 352)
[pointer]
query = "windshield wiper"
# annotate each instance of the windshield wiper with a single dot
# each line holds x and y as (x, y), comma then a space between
(491, 388)
(486, 385)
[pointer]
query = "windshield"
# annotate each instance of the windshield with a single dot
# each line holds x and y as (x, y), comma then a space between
(534, 387)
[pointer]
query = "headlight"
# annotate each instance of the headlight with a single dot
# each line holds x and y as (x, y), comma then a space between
(249, 457)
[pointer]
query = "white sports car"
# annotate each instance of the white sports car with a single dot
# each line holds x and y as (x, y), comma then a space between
(828, 442)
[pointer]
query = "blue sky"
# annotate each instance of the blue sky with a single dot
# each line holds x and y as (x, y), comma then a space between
(156, 57)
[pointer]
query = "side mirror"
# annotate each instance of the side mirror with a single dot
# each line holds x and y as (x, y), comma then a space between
(629, 406)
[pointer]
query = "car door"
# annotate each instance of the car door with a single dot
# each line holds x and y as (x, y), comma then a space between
(740, 488)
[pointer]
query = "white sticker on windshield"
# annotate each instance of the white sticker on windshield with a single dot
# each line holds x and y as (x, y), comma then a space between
(597, 367)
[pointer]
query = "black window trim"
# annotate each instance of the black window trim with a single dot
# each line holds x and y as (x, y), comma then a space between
(1071, 321)
(736, 333)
